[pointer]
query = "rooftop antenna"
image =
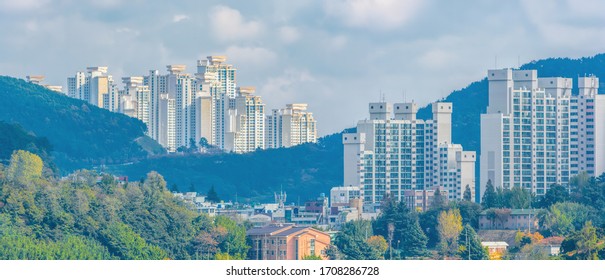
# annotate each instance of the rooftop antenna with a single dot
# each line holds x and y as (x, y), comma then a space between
(519, 61)
(496, 61)
(404, 97)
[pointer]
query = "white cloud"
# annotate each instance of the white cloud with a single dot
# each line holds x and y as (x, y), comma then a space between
(289, 34)
(373, 14)
(21, 5)
(580, 27)
(435, 59)
(179, 18)
(229, 25)
(251, 57)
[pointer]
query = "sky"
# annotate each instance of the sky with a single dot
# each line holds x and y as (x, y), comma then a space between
(336, 55)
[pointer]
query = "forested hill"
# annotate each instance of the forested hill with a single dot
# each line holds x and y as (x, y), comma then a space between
(303, 171)
(307, 170)
(14, 137)
(81, 134)
(89, 217)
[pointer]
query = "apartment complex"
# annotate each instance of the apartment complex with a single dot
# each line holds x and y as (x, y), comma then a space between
(94, 86)
(290, 126)
(393, 151)
(287, 242)
(536, 133)
(180, 109)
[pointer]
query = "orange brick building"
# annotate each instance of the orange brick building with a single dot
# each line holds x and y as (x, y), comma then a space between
(286, 242)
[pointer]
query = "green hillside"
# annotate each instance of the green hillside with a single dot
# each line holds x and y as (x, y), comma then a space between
(14, 137)
(302, 171)
(89, 216)
(81, 134)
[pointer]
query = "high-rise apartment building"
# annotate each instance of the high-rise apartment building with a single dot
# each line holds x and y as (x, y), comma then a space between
(246, 122)
(587, 126)
(391, 153)
(217, 80)
(135, 100)
(94, 87)
(536, 133)
(290, 126)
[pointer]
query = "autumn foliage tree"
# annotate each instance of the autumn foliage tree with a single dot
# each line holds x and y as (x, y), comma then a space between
(449, 227)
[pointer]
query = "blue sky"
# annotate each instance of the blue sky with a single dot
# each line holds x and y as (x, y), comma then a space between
(335, 55)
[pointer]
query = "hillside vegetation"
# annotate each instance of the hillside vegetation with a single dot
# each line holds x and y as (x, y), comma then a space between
(82, 135)
(88, 216)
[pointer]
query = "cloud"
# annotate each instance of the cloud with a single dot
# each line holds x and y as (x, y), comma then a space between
(179, 18)
(289, 34)
(22, 5)
(578, 28)
(251, 57)
(435, 59)
(373, 14)
(229, 25)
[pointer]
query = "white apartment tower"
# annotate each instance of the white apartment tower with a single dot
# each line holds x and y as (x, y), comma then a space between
(587, 128)
(393, 151)
(536, 133)
(245, 129)
(290, 126)
(94, 87)
(135, 100)
(217, 80)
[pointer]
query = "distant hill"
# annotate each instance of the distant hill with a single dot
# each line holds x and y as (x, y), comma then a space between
(14, 137)
(81, 134)
(303, 171)
(307, 170)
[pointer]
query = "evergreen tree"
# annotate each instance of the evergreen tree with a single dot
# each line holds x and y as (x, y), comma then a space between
(212, 196)
(555, 194)
(398, 223)
(438, 200)
(352, 241)
(467, 193)
(470, 245)
(490, 197)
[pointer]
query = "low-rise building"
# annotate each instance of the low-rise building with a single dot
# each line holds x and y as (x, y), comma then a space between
(287, 242)
(495, 249)
(508, 219)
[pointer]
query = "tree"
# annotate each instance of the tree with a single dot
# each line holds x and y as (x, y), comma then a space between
(555, 194)
(439, 201)
(24, 167)
(378, 245)
(516, 198)
(352, 241)
(490, 198)
(232, 237)
(449, 227)
(470, 245)
(583, 245)
(192, 145)
(401, 225)
(564, 218)
(467, 193)
(204, 143)
(212, 196)
(470, 212)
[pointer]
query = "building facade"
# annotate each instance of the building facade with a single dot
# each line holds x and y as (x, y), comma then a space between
(536, 133)
(287, 242)
(290, 126)
(393, 151)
